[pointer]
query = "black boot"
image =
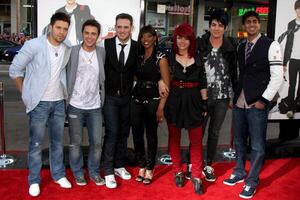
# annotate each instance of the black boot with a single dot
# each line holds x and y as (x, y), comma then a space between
(198, 187)
(179, 179)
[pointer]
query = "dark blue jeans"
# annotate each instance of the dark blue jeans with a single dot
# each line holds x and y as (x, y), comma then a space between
(250, 123)
(49, 114)
(216, 112)
(93, 119)
(117, 127)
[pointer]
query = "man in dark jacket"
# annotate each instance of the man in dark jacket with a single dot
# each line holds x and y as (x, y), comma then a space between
(78, 15)
(219, 54)
(260, 77)
(120, 63)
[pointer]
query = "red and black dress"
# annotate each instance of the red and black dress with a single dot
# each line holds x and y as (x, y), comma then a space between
(184, 110)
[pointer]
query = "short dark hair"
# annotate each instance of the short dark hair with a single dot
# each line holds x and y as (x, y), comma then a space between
(250, 13)
(59, 16)
(91, 22)
(297, 4)
(124, 16)
(220, 16)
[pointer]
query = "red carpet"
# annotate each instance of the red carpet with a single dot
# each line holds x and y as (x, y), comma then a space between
(279, 180)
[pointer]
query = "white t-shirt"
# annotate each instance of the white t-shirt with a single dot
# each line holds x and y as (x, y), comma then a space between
(86, 94)
(54, 91)
(72, 29)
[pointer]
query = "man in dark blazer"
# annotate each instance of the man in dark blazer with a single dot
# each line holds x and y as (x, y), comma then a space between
(78, 14)
(120, 63)
(85, 85)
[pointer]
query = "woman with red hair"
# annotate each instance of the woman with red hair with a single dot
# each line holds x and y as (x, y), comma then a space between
(186, 106)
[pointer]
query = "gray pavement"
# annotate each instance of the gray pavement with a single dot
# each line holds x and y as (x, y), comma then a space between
(16, 122)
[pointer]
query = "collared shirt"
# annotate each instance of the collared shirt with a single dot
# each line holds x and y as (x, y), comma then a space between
(253, 42)
(35, 60)
(241, 102)
(276, 72)
(126, 48)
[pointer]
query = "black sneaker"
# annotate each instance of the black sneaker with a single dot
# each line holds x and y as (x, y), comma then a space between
(188, 173)
(247, 192)
(179, 179)
(98, 180)
(80, 181)
(208, 172)
(233, 180)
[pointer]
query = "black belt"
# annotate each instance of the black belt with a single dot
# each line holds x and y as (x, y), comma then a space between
(146, 84)
(117, 93)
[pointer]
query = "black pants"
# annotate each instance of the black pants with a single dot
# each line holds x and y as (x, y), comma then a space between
(117, 127)
(294, 70)
(289, 129)
(144, 116)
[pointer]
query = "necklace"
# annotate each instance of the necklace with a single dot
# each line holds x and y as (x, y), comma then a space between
(183, 61)
(88, 59)
(55, 49)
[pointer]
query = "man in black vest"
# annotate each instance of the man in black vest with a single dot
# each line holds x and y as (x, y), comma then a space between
(121, 57)
(261, 74)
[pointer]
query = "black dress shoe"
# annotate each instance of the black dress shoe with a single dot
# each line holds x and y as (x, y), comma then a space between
(179, 179)
(198, 187)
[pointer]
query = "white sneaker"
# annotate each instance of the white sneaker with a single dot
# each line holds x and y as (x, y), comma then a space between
(110, 181)
(34, 190)
(123, 173)
(64, 183)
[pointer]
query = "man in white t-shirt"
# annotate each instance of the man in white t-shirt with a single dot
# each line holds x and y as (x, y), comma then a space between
(85, 81)
(38, 72)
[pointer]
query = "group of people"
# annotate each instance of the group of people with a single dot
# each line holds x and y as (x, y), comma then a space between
(20, 38)
(134, 84)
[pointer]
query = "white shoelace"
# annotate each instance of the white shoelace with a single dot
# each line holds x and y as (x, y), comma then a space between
(209, 169)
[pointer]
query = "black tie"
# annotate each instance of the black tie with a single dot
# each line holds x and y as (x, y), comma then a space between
(297, 28)
(248, 50)
(122, 55)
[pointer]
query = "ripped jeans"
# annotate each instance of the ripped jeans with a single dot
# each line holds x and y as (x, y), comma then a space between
(51, 115)
(93, 120)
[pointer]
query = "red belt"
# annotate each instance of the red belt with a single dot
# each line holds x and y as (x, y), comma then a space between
(183, 84)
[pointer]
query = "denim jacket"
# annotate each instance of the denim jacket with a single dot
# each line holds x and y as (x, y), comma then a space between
(33, 63)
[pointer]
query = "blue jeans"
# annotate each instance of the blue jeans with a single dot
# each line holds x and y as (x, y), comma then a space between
(216, 112)
(250, 123)
(117, 127)
(49, 114)
(93, 120)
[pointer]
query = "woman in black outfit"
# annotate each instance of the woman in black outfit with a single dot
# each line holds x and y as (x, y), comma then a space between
(147, 106)
(186, 106)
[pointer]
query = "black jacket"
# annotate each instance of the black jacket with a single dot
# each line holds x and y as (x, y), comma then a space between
(289, 42)
(81, 14)
(228, 50)
(119, 80)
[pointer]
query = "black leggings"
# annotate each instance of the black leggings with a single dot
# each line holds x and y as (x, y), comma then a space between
(143, 115)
